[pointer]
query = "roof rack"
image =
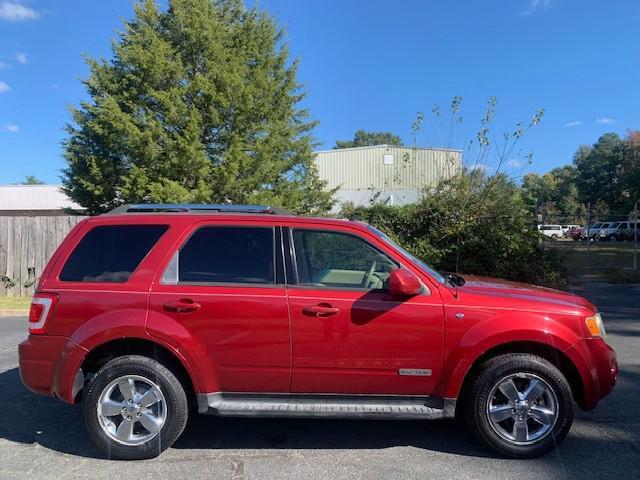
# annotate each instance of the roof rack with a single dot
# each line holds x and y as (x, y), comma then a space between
(196, 208)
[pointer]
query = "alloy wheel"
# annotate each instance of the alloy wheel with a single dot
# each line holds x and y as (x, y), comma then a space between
(522, 408)
(131, 410)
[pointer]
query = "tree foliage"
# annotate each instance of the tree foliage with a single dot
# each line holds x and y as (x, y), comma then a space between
(363, 138)
(606, 174)
(32, 180)
(199, 103)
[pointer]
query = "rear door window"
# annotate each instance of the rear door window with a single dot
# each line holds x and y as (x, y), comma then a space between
(215, 255)
(110, 253)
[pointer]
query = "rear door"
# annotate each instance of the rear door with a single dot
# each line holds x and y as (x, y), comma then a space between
(349, 335)
(223, 292)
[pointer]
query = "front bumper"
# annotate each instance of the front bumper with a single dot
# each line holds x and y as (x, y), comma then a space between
(50, 365)
(598, 367)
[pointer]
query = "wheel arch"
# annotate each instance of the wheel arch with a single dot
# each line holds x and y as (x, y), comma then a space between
(555, 356)
(101, 354)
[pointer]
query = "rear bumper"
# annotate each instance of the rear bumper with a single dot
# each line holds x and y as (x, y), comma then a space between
(598, 367)
(49, 365)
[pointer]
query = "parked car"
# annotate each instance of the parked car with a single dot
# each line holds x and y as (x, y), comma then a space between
(622, 231)
(592, 232)
(241, 311)
(552, 231)
(567, 228)
(576, 233)
(608, 231)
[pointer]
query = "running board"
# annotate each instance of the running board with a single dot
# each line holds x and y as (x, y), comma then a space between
(330, 406)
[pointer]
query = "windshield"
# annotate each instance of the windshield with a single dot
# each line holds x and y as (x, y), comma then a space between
(436, 275)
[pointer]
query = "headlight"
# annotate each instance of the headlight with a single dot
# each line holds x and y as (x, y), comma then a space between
(595, 325)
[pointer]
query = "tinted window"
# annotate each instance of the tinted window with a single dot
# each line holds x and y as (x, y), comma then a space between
(228, 255)
(332, 259)
(111, 253)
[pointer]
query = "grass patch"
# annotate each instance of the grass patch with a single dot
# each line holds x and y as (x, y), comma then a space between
(599, 261)
(622, 276)
(15, 303)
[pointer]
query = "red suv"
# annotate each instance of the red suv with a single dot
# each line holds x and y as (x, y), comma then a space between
(238, 310)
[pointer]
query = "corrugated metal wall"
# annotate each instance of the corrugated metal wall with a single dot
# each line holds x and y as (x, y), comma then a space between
(34, 197)
(26, 244)
(404, 168)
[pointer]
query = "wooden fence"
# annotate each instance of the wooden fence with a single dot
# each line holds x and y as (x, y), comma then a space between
(26, 244)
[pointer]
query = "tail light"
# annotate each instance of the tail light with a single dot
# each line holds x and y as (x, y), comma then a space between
(41, 311)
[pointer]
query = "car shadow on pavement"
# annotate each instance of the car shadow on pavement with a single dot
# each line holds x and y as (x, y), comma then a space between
(28, 418)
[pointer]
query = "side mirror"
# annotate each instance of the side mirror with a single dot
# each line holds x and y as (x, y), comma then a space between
(403, 283)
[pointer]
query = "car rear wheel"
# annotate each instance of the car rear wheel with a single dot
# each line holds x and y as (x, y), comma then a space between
(134, 408)
(520, 405)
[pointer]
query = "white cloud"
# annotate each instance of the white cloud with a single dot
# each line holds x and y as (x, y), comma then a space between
(514, 163)
(14, 11)
(4, 87)
(5, 65)
(9, 128)
(575, 123)
(536, 6)
(605, 121)
(21, 58)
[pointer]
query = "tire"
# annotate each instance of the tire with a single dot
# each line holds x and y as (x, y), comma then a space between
(166, 414)
(613, 238)
(522, 369)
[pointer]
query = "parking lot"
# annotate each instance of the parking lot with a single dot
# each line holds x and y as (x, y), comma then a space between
(44, 438)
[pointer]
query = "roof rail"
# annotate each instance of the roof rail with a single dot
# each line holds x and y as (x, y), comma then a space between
(195, 208)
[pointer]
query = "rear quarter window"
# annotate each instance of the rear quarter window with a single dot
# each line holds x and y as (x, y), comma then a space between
(110, 253)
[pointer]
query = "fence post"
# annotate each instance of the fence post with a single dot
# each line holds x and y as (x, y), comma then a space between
(635, 237)
(588, 233)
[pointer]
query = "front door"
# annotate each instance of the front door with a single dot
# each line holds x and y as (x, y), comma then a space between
(349, 336)
(223, 299)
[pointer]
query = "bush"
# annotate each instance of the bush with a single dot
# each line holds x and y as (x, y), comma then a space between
(471, 224)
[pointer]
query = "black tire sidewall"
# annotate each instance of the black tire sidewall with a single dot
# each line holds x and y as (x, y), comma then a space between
(503, 366)
(174, 394)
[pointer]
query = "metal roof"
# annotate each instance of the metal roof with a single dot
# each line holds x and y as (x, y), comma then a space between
(35, 197)
(384, 145)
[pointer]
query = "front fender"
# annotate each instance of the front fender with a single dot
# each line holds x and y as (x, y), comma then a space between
(495, 331)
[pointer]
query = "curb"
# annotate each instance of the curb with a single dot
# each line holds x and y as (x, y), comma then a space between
(14, 313)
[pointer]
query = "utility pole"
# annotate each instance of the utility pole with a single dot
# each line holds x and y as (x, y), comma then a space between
(635, 237)
(588, 231)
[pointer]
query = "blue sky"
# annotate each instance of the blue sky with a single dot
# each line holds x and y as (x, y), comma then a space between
(365, 64)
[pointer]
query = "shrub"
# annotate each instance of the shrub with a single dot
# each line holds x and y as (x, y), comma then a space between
(470, 224)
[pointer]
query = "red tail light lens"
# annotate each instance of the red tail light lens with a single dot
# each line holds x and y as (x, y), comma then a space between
(42, 306)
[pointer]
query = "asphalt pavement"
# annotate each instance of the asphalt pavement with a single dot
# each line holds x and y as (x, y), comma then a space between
(43, 438)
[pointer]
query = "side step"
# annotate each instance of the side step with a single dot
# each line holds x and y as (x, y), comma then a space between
(331, 406)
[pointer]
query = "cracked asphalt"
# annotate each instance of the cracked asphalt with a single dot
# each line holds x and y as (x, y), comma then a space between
(44, 438)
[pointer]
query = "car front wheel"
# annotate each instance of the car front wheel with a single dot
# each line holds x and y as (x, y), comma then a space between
(520, 405)
(134, 408)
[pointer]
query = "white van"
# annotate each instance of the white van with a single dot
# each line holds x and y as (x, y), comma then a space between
(551, 231)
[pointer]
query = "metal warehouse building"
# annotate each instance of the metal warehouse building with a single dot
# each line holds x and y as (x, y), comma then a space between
(385, 174)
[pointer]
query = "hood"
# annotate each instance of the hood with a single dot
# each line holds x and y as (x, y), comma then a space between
(505, 293)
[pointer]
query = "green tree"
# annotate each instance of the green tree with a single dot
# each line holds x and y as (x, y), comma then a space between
(199, 103)
(363, 138)
(599, 170)
(32, 180)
